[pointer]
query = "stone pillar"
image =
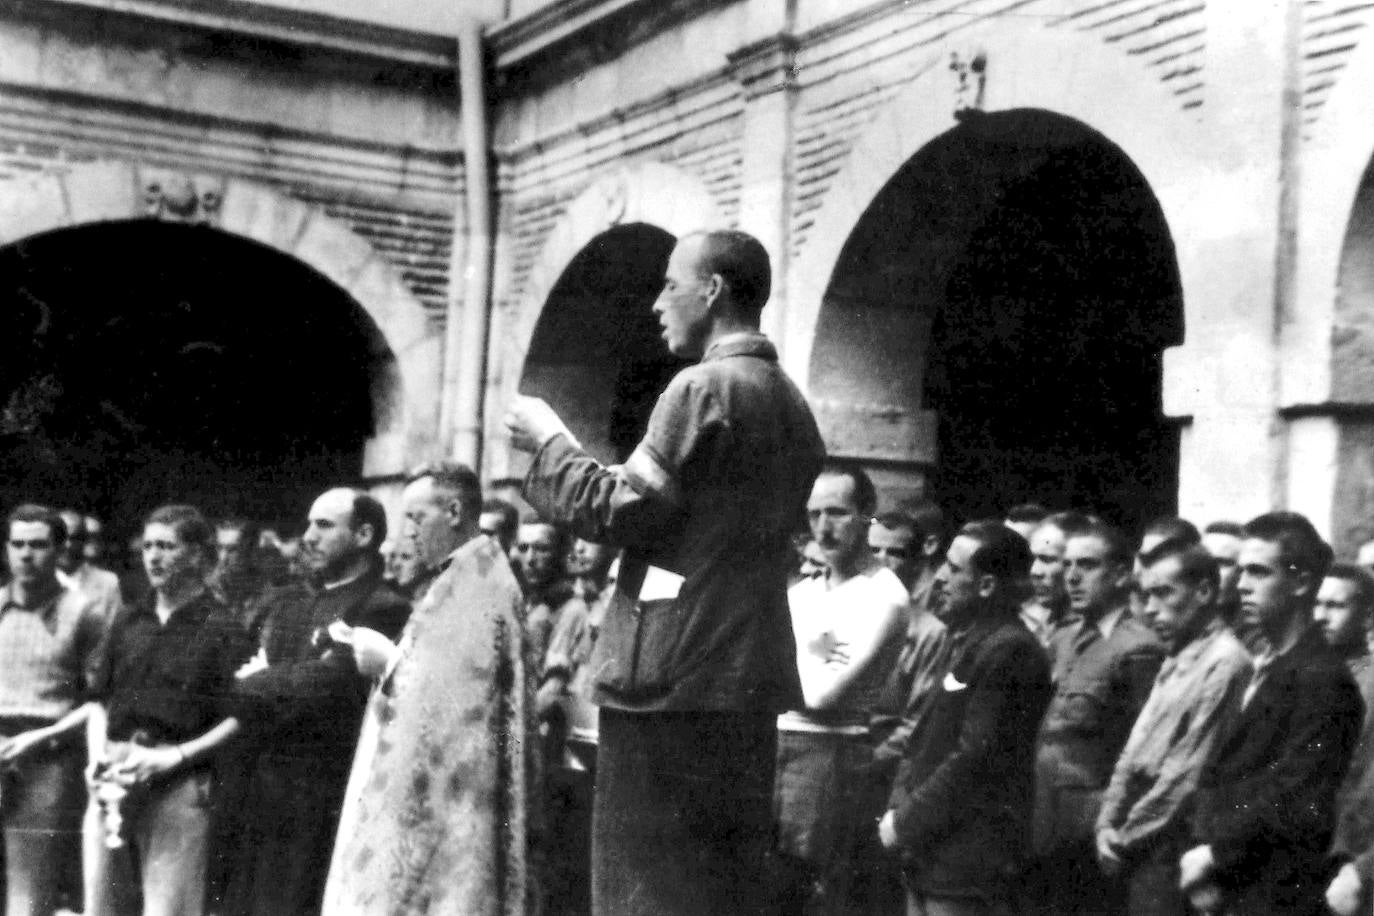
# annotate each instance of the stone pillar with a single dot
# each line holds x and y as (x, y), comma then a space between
(1226, 375)
(767, 76)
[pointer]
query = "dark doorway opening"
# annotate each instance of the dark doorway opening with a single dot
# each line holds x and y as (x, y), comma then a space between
(1017, 277)
(143, 363)
(597, 355)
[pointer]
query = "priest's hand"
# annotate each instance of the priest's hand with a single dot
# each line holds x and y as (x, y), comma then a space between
(531, 422)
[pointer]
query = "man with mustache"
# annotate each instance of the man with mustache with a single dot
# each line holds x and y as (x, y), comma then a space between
(848, 625)
(1104, 666)
(302, 700)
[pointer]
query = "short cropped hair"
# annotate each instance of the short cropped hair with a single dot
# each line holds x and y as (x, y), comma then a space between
(1196, 565)
(1027, 513)
(895, 520)
(34, 513)
(454, 478)
(1300, 546)
(1067, 521)
(1001, 552)
(1359, 577)
(741, 261)
(562, 535)
(1232, 529)
(1172, 528)
(865, 496)
(188, 523)
(249, 530)
(510, 518)
(367, 510)
(930, 518)
(1118, 546)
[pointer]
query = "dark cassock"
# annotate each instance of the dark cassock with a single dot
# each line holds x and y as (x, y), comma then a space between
(435, 818)
(302, 714)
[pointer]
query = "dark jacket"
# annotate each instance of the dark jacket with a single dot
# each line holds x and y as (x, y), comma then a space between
(962, 796)
(711, 494)
(1266, 803)
(309, 700)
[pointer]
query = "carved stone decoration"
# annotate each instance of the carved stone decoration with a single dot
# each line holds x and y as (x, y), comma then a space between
(972, 76)
(614, 199)
(181, 199)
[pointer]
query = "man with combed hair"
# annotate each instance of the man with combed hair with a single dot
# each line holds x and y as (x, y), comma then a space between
(692, 678)
(499, 521)
(1222, 540)
(1104, 665)
(302, 699)
(1023, 518)
(80, 573)
(1266, 801)
(1048, 605)
(961, 804)
(436, 498)
(848, 625)
(49, 635)
(1348, 591)
(1143, 826)
(434, 817)
(1343, 609)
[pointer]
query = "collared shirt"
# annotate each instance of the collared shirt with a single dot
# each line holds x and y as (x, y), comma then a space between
(46, 653)
(170, 680)
(1195, 701)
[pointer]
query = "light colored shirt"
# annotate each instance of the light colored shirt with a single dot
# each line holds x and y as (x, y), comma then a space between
(865, 616)
(47, 653)
(99, 585)
(1195, 700)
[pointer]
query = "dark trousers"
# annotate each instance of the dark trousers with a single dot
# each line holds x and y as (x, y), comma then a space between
(291, 816)
(682, 815)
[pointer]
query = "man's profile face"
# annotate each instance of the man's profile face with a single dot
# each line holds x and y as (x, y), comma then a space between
(1047, 565)
(1094, 582)
(837, 525)
(896, 549)
(1225, 549)
(682, 309)
(1338, 613)
(429, 514)
(31, 553)
(954, 591)
(1177, 609)
(1268, 587)
(330, 543)
(535, 555)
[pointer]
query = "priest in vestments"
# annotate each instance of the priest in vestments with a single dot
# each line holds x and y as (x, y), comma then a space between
(434, 818)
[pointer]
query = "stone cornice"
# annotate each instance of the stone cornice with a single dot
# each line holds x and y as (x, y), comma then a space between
(516, 40)
(294, 28)
(766, 66)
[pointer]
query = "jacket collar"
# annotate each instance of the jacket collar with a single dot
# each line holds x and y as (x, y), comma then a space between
(745, 343)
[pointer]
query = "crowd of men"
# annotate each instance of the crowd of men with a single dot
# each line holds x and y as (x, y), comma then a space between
(885, 713)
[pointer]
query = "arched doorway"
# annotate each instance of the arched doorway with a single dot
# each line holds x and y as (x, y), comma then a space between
(147, 361)
(1011, 289)
(596, 354)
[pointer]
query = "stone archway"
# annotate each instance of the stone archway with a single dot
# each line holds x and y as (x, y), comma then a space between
(1067, 74)
(650, 194)
(405, 386)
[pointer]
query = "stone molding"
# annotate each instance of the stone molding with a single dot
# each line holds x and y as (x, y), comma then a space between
(406, 390)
